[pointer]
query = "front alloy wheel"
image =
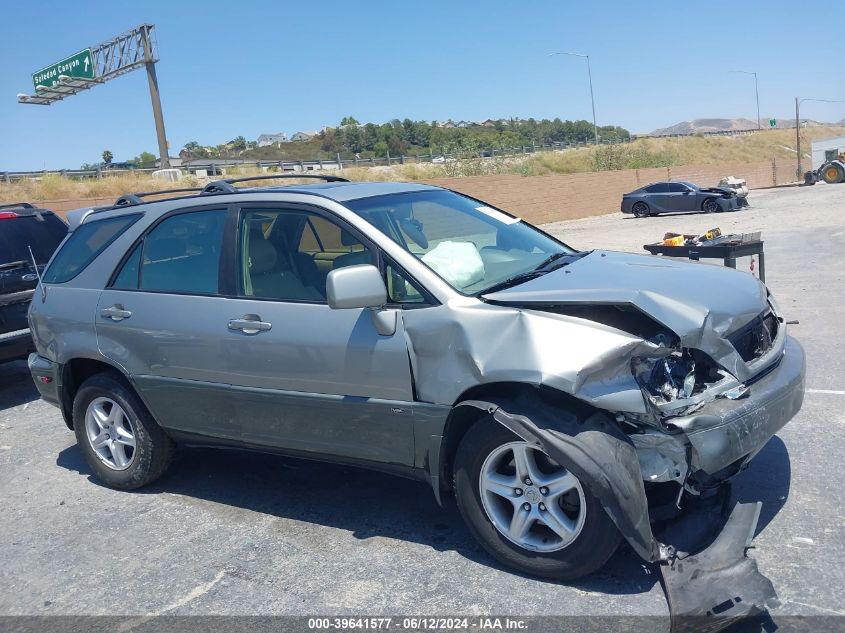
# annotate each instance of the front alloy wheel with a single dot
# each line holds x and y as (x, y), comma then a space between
(528, 511)
(533, 502)
(710, 206)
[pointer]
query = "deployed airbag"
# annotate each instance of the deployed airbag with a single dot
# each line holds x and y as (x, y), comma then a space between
(459, 263)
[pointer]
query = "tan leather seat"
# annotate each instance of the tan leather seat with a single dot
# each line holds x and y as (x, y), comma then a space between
(271, 275)
(355, 257)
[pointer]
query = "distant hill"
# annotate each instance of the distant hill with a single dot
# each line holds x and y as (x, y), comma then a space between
(705, 125)
(726, 125)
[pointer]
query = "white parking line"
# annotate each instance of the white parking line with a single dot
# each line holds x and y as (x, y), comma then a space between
(828, 391)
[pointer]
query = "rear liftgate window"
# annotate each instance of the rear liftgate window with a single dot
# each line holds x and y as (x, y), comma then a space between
(83, 246)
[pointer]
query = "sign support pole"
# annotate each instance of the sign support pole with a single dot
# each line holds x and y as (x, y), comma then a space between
(155, 98)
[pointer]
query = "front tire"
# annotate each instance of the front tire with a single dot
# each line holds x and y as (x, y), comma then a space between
(527, 511)
(833, 174)
(710, 205)
(121, 441)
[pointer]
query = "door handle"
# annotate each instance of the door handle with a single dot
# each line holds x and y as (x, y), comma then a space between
(249, 324)
(115, 313)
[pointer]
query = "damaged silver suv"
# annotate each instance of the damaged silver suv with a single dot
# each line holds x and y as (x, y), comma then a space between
(414, 330)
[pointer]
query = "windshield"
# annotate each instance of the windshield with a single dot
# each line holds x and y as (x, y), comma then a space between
(471, 246)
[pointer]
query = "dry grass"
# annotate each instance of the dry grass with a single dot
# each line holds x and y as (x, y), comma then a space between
(56, 187)
(639, 154)
(688, 150)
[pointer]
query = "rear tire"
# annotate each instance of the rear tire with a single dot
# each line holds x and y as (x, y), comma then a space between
(121, 441)
(589, 544)
(641, 210)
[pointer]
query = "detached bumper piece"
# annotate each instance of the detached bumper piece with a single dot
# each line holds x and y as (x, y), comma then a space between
(719, 585)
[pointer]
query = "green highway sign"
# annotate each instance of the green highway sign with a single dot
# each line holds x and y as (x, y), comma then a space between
(773, 122)
(80, 65)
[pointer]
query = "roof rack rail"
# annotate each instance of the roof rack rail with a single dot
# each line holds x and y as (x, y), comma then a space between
(129, 199)
(225, 185)
(12, 205)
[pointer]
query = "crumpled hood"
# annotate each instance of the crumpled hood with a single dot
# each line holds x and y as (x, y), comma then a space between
(701, 303)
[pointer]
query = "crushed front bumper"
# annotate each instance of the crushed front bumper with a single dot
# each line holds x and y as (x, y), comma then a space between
(729, 204)
(725, 432)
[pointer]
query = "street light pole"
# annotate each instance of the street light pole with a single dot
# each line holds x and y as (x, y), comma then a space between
(592, 98)
(798, 137)
(756, 93)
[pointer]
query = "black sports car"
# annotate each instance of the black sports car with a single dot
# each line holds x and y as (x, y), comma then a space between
(677, 196)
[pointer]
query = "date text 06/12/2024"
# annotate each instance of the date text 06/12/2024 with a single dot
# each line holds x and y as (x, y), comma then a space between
(416, 623)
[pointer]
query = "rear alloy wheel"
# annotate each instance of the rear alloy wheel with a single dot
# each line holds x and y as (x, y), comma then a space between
(641, 210)
(710, 205)
(110, 433)
(526, 510)
(833, 174)
(120, 440)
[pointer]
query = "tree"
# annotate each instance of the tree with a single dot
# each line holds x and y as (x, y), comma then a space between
(193, 149)
(238, 143)
(108, 157)
(349, 120)
(145, 159)
(353, 138)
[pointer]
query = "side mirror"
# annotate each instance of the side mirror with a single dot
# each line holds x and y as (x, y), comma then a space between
(361, 286)
(355, 287)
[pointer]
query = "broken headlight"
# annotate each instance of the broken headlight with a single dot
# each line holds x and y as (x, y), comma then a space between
(668, 378)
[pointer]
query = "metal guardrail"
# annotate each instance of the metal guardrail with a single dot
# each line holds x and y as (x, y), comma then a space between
(215, 167)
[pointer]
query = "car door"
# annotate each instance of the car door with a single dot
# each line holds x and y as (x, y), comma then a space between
(681, 197)
(163, 319)
(657, 197)
(304, 376)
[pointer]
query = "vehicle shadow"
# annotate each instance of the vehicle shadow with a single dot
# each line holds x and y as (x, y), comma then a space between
(367, 504)
(16, 386)
(668, 214)
(767, 479)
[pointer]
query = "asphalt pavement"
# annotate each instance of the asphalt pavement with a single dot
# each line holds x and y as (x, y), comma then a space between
(226, 532)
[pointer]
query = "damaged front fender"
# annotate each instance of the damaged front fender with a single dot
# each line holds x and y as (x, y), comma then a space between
(467, 343)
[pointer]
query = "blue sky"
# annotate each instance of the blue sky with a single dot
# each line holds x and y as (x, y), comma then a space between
(243, 68)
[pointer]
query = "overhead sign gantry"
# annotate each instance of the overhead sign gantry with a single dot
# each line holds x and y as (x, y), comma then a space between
(98, 64)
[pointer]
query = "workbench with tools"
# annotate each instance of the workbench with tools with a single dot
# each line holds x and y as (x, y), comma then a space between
(712, 245)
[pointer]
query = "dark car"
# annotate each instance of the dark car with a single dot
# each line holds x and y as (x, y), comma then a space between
(678, 197)
(22, 227)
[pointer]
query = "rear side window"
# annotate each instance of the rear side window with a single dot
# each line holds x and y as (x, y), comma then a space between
(43, 235)
(658, 188)
(180, 255)
(83, 246)
(128, 277)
